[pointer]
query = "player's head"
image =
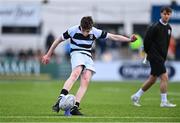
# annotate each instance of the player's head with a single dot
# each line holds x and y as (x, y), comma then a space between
(166, 14)
(86, 25)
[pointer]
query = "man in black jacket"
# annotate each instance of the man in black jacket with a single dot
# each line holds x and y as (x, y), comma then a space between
(156, 44)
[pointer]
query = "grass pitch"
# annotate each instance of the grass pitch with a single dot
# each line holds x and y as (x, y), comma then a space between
(104, 102)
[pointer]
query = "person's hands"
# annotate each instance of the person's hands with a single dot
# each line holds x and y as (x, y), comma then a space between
(45, 59)
(133, 38)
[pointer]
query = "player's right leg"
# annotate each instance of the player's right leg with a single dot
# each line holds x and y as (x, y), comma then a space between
(148, 83)
(163, 89)
(68, 85)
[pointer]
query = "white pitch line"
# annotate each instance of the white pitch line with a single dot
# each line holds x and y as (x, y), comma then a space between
(90, 122)
(83, 117)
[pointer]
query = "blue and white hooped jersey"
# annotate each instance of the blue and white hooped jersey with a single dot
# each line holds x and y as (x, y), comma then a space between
(80, 43)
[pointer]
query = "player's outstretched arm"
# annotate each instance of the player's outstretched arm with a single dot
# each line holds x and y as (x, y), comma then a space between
(121, 38)
(46, 58)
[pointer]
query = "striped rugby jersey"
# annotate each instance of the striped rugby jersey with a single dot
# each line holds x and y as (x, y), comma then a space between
(80, 43)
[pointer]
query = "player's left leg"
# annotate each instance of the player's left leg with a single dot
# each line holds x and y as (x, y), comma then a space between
(147, 84)
(163, 89)
(85, 78)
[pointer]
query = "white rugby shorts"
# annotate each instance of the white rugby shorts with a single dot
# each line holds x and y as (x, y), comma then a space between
(78, 58)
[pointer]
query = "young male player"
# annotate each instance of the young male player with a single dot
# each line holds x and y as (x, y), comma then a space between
(156, 44)
(81, 40)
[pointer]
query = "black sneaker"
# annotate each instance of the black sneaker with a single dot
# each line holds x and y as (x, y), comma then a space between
(75, 111)
(55, 107)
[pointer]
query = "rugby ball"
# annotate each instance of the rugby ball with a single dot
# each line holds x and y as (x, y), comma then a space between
(67, 102)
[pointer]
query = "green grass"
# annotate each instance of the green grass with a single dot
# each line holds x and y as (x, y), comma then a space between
(103, 102)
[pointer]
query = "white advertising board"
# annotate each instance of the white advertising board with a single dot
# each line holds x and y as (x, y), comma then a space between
(130, 70)
(20, 14)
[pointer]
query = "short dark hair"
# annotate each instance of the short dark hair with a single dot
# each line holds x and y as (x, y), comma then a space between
(86, 22)
(167, 9)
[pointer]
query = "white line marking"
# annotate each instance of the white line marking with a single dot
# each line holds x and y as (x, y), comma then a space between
(89, 122)
(83, 117)
(174, 93)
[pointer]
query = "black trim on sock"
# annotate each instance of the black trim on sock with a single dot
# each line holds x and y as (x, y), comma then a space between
(64, 91)
(77, 104)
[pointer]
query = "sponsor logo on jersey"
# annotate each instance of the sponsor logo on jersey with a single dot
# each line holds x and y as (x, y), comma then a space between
(91, 36)
(169, 32)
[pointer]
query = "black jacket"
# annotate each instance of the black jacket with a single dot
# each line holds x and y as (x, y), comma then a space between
(156, 41)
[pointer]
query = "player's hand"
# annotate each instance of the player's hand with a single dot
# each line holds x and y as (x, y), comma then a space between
(45, 59)
(133, 38)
